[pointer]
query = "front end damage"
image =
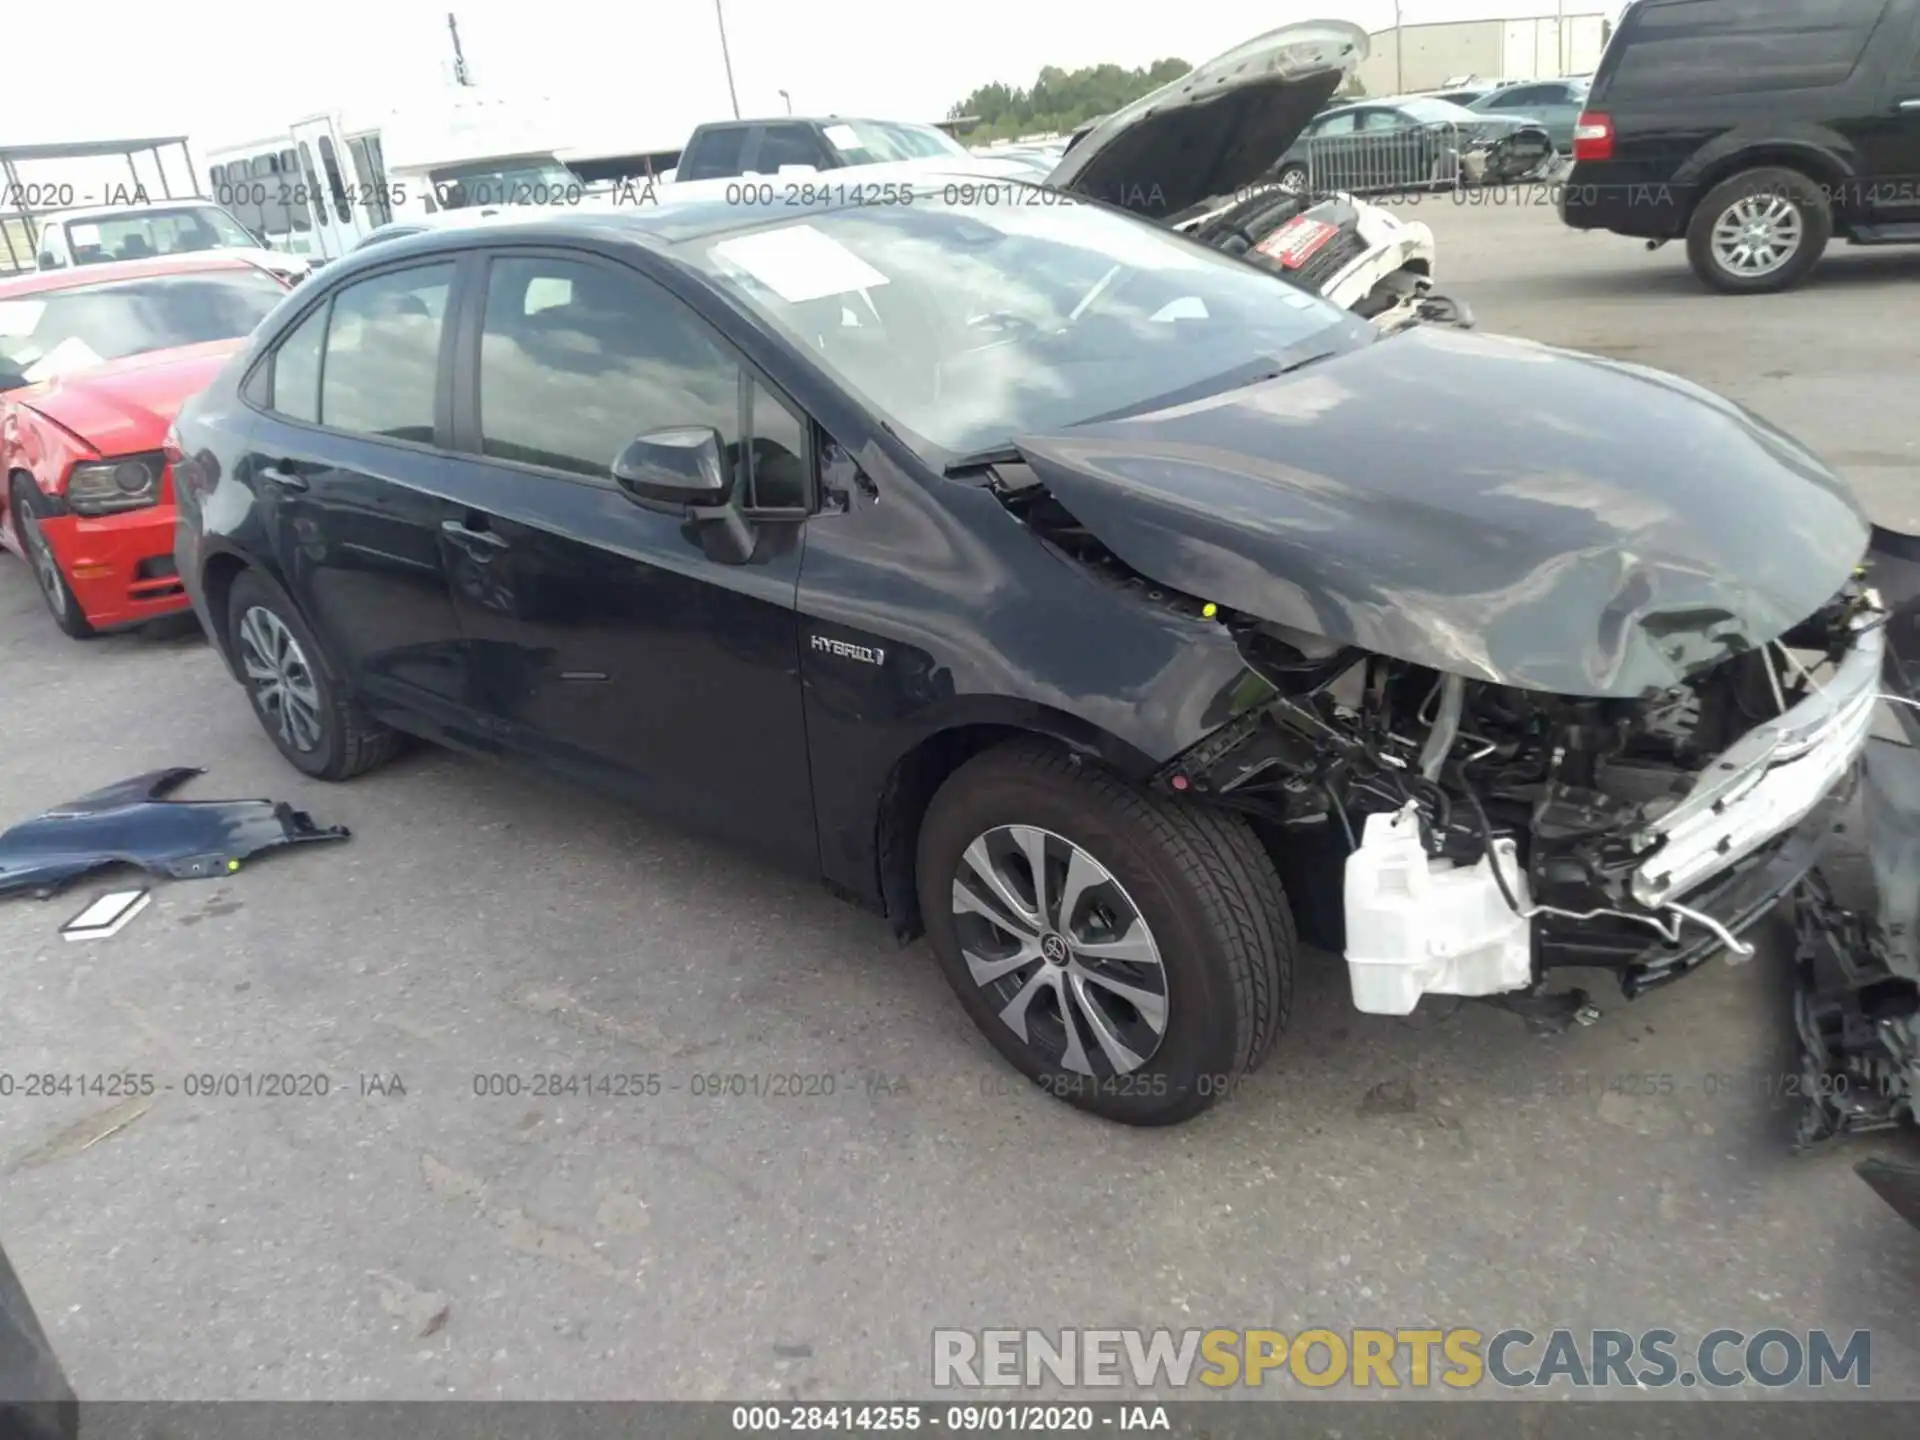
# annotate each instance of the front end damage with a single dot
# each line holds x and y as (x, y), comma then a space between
(1467, 836)
(1490, 834)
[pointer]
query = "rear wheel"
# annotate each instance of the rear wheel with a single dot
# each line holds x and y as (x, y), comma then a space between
(1760, 231)
(29, 506)
(304, 708)
(1293, 178)
(1129, 954)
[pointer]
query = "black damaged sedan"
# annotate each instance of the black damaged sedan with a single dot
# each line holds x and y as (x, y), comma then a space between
(1058, 587)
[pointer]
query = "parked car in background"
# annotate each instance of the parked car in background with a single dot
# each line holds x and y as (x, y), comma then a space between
(105, 234)
(1554, 104)
(727, 148)
(1411, 142)
(94, 363)
(1758, 132)
(1465, 95)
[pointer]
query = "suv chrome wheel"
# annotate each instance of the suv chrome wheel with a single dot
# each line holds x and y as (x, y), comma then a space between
(1758, 235)
(1060, 951)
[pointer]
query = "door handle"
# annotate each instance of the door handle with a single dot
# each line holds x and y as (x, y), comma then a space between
(284, 475)
(481, 544)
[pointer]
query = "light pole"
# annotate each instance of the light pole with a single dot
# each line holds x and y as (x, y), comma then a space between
(1399, 52)
(789, 99)
(727, 58)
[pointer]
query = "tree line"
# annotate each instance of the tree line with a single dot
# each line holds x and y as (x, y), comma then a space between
(1061, 101)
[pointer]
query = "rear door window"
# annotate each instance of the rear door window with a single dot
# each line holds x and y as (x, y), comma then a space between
(1673, 48)
(382, 362)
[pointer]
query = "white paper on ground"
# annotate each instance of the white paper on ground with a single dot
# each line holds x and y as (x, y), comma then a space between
(799, 262)
(107, 915)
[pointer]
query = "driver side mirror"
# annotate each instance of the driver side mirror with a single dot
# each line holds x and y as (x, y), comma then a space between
(673, 468)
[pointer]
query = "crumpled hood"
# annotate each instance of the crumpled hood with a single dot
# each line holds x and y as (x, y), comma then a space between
(1486, 506)
(125, 406)
(1217, 128)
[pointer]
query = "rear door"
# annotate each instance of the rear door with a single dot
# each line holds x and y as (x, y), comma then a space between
(601, 636)
(346, 464)
(1890, 143)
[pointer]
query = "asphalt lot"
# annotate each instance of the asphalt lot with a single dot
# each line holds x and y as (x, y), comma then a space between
(1451, 1170)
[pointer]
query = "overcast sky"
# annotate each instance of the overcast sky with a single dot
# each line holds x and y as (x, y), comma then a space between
(223, 71)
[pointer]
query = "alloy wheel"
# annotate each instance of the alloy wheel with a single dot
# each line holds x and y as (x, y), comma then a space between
(46, 569)
(1757, 235)
(280, 678)
(1060, 950)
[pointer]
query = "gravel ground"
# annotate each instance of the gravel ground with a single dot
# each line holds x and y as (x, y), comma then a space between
(1452, 1170)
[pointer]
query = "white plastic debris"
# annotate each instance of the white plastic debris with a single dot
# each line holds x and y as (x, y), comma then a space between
(1421, 926)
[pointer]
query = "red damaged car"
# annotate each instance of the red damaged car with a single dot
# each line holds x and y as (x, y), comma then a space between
(94, 364)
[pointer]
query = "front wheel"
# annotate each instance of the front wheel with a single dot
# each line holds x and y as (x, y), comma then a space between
(1293, 179)
(1129, 954)
(1760, 231)
(62, 604)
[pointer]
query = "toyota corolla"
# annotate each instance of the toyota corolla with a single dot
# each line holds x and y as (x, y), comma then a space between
(1061, 588)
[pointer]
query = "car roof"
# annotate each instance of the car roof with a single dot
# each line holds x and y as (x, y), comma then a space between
(75, 276)
(114, 212)
(818, 120)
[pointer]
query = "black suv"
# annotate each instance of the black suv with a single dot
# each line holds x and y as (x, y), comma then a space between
(1758, 129)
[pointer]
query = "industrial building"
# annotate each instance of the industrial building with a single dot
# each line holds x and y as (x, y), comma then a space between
(1427, 57)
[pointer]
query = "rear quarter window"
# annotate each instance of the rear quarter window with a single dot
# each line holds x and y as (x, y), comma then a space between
(1670, 49)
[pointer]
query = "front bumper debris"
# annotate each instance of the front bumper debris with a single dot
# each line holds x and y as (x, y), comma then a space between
(1858, 921)
(133, 823)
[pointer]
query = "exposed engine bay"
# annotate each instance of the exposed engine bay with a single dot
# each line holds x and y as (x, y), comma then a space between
(1358, 255)
(1634, 835)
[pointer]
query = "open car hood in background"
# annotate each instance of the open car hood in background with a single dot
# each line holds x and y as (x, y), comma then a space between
(1217, 128)
(1489, 507)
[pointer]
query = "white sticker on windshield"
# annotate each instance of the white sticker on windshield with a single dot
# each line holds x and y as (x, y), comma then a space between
(18, 317)
(69, 355)
(84, 234)
(842, 137)
(798, 262)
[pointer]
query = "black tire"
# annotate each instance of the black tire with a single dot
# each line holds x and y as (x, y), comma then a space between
(346, 741)
(1798, 191)
(1293, 177)
(1197, 877)
(29, 505)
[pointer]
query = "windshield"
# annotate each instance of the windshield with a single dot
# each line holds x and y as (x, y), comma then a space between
(873, 142)
(968, 324)
(506, 182)
(57, 332)
(1438, 112)
(146, 233)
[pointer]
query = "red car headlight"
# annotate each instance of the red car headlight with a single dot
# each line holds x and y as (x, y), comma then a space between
(106, 487)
